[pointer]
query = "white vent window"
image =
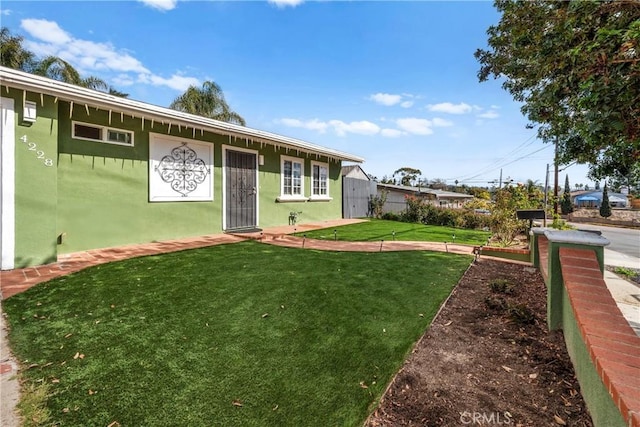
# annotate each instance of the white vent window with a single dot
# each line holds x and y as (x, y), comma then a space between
(101, 134)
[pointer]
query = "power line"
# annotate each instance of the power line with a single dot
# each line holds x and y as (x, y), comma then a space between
(487, 170)
(496, 163)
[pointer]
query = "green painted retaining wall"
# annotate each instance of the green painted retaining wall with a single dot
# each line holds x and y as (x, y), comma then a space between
(602, 408)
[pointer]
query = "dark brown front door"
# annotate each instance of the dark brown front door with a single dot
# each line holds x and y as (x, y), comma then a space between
(241, 191)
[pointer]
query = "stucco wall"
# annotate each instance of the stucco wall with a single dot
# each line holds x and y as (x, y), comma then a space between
(104, 188)
(36, 154)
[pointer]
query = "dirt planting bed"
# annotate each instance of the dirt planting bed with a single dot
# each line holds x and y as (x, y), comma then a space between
(488, 359)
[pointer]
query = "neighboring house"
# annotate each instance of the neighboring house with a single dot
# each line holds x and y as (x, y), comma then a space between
(593, 199)
(357, 190)
(83, 169)
(396, 197)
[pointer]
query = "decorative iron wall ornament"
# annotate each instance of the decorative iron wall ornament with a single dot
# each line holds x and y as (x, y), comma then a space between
(180, 169)
(183, 170)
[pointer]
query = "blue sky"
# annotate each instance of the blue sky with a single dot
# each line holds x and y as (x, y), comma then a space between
(394, 82)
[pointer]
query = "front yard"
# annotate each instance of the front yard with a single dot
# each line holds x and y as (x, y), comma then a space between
(233, 335)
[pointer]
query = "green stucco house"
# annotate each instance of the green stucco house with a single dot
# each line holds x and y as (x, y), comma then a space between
(82, 169)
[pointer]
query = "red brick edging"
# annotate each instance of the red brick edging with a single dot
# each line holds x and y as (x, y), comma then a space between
(614, 348)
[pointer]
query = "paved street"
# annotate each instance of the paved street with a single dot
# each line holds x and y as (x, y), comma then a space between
(623, 240)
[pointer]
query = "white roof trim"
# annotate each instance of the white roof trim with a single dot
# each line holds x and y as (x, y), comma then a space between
(67, 92)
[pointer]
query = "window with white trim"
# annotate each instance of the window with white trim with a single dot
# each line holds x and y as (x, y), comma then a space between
(292, 172)
(98, 133)
(319, 180)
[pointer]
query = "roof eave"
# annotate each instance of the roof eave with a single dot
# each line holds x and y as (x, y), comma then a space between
(71, 93)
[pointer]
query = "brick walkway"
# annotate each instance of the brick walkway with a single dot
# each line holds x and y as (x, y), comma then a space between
(19, 280)
(15, 281)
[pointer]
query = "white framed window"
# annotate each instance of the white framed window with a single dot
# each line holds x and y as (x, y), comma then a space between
(319, 181)
(109, 135)
(292, 178)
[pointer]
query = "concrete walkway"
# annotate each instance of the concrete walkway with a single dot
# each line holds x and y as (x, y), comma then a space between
(19, 280)
(625, 293)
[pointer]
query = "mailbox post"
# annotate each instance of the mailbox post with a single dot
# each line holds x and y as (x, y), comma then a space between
(531, 214)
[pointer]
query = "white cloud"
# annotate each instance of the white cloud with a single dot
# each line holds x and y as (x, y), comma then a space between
(449, 108)
(491, 114)
(415, 126)
(47, 31)
(160, 4)
(5, 12)
(314, 124)
(405, 100)
(385, 99)
(123, 80)
(362, 127)
(90, 57)
(441, 122)
(391, 133)
(285, 3)
(340, 127)
(176, 81)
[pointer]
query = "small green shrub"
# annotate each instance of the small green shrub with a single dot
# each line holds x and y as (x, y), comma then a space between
(391, 216)
(624, 271)
(502, 286)
(521, 314)
(495, 303)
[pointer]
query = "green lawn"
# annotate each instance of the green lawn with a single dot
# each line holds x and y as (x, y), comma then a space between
(297, 337)
(379, 229)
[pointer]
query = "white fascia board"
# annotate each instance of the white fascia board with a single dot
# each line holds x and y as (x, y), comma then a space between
(67, 92)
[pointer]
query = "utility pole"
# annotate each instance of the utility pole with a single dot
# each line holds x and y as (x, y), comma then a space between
(500, 182)
(555, 180)
(546, 197)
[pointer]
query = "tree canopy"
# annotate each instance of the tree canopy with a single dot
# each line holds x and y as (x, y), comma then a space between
(408, 176)
(575, 66)
(207, 101)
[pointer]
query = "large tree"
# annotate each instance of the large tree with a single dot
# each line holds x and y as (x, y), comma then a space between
(207, 101)
(575, 67)
(566, 205)
(407, 176)
(12, 52)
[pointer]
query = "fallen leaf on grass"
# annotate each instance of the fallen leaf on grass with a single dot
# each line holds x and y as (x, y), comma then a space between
(506, 368)
(421, 315)
(275, 408)
(237, 403)
(265, 315)
(65, 410)
(68, 335)
(114, 424)
(363, 385)
(55, 380)
(559, 420)
(78, 355)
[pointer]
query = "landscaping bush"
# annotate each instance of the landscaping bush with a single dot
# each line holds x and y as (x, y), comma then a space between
(391, 216)
(423, 212)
